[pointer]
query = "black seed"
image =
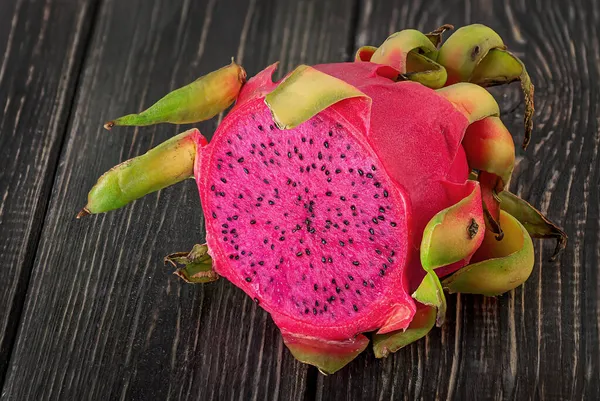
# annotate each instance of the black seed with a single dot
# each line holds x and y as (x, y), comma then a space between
(326, 144)
(371, 231)
(290, 155)
(330, 133)
(356, 263)
(235, 217)
(314, 311)
(252, 221)
(355, 308)
(337, 171)
(376, 196)
(338, 289)
(212, 188)
(381, 272)
(328, 193)
(298, 253)
(271, 202)
(260, 127)
(323, 259)
(327, 172)
(266, 181)
(246, 170)
(390, 260)
(350, 278)
(241, 160)
(385, 193)
(281, 238)
(248, 279)
(214, 215)
(374, 220)
(384, 265)
(364, 283)
(358, 292)
(360, 172)
(346, 286)
(330, 260)
(306, 310)
(381, 217)
(316, 287)
(256, 300)
(260, 199)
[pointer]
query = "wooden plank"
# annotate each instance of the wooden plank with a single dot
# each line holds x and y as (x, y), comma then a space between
(104, 319)
(41, 47)
(540, 341)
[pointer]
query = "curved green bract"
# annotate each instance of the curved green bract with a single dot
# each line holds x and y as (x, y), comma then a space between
(536, 224)
(395, 49)
(500, 67)
(201, 100)
(422, 323)
(465, 48)
(431, 293)
(424, 70)
(194, 267)
(327, 355)
(500, 265)
(305, 93)
(473, 101)
(453, 233)
(167, 164)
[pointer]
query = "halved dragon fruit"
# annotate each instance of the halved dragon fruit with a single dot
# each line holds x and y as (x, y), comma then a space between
(336, 197)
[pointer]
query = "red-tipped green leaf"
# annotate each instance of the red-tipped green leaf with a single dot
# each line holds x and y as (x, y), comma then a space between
(497, 266)
(490, 147)
(305, 93)
(473, 101)
(465, 48)
(364, 53)
(395, 49)
(455, 232)
(423, 321)
(327, 355)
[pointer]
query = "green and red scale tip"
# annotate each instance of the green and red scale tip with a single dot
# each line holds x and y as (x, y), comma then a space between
(334, 194)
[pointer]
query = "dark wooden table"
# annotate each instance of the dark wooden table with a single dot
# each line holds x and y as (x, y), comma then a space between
(87, 310)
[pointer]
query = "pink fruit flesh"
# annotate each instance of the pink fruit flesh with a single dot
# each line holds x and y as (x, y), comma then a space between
(307, 221)
(417, 135)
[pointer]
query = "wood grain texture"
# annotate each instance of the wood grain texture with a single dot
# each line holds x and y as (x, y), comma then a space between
(104, 319)
(541, 340)
(41, 46)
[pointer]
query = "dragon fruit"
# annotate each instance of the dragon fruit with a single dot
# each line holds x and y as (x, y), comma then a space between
(339, 196)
